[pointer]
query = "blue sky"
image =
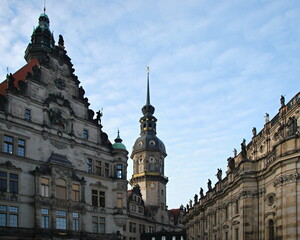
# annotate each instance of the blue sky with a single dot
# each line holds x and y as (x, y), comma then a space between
(216, 68)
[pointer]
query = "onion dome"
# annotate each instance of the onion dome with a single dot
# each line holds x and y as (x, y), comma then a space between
(118, 143)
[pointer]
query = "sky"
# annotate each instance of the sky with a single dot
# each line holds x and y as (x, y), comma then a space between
(216, 68)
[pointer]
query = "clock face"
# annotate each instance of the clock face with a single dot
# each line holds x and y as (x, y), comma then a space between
(152, 185)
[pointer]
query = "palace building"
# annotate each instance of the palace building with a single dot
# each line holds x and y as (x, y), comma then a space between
(260, 194)
(60, 176)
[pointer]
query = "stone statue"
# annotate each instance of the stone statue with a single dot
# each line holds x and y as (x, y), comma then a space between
(81, 93)
(231, 163)
(201, 193)
(98, 117)
(267, 118)
(187, 207)
(191, 203)
(195, 198)
(209, 185)
(60, 41)
(244, 149)
(254, 131)
(282, 101)
(234, 152)
(292, 126)
(219, 174)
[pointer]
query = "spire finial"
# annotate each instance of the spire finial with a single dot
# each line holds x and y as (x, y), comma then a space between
(44, 6)
(148, 90)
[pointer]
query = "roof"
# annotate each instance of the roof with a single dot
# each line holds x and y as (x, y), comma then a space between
(19, 75)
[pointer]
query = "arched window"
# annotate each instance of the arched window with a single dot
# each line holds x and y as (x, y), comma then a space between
(61, 189)
(271, 230)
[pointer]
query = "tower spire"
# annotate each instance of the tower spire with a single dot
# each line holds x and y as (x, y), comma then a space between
(148, 89)
(44, 6)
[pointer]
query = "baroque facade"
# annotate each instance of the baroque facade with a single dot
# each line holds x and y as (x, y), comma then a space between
(259, 196)
(60, 176)
(146, 201)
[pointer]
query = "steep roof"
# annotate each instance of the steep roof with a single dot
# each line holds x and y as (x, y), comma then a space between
(19, 75)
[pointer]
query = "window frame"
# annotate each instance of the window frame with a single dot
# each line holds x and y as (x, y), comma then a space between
(11, 217)
(27, 114)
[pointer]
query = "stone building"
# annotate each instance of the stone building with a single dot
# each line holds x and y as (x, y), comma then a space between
(146, 201)
(259, 196)
(60, 176)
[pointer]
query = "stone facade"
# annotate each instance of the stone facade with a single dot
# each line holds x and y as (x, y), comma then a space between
(259, 196)
(60, 177)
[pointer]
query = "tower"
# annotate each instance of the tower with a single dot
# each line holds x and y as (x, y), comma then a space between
(148, 157)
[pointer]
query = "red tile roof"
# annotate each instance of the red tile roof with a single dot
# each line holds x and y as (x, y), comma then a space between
(19, 75)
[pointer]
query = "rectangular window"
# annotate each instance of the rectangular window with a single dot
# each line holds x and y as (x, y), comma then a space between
(13, 183)
(61, 192)
(44, 187)
(106, 170)
(226, 212)
(133, 208)
(8, 145)
(119, 200)
(85, 134)
(132, 227)
(141, 228)
(150, 229)
(119, 171)
(98, 169)
(3, 182)
(27, 114)
(21, 148)
(226, 235)
(237, 207)
(89, 164)
(75, 221)
(98, 198)
(141, 210)
(75, 192)
(102, 225)
(98, 224)
(101, 199)
(45, 218)
(9, 216)
(61, 220)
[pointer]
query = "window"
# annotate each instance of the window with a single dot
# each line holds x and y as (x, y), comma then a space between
(119, 171)
(132, 227)
(3, 182)
(75, 221)
(133, 208)
(98, 224)
(44, 187)
(119, 200)
(21, 148)
(9, 181)
(9, 216)
(98, 198)
(271, 230)
(98, 168)
(27, 114)
(85, 134)
(150, 229)
(141, 210)
(61, 189)
(226, 212)
(61, 220)
(106, 170)
(226, 235)
(237, 234)
(237, 207)
(8, 145)
(75, 192)
(89, 164)
(45, 218)
(142, 228)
